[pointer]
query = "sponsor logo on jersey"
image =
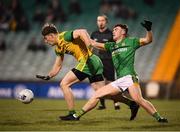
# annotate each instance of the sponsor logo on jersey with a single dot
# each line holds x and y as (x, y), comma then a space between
(116, 46)
(119, 50)
(123, 44)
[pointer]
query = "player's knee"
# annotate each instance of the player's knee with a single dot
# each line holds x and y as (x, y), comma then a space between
(64, 84)
(95, 88)
(95, 96)
(61, 85)
(138, 100)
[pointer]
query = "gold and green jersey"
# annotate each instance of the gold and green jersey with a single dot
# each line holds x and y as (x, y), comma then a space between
(75, 47)
(123, 55)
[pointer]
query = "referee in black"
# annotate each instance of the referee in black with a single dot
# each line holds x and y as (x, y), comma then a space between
(102, 35)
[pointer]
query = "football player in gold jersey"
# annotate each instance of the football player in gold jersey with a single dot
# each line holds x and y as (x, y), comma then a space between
(76, 44)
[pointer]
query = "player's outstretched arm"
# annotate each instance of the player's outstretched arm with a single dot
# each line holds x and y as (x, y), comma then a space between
(97, 45)
(83, 34)
(149, 35)
(56, 67)
(54, 71)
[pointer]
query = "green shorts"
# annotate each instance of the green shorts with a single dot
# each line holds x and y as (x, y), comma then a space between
(91, 68)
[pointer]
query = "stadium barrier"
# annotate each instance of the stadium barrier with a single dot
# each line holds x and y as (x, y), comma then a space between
(43, 90)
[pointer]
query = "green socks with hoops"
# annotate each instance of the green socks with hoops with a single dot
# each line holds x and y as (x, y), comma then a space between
(80, 113)
(157, 116)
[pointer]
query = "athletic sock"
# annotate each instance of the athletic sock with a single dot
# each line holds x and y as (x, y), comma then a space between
(157, 116)
(129, 102)
(126, 100)
(71, 112)
(102, 102)
(80, 113)
(116, 104)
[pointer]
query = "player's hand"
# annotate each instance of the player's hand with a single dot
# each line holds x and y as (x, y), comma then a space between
(43, 77)
(147, 25)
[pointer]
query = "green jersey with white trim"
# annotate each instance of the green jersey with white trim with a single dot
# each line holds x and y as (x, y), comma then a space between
(123, 55)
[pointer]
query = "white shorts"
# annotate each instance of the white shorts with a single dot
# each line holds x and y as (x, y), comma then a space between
(123, 83)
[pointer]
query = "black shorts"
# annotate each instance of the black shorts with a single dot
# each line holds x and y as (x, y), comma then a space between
(81, 76)
(108, 69)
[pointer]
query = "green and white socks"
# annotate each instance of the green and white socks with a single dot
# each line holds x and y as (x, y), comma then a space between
(79, 113)
(71, 112)
(157, 116)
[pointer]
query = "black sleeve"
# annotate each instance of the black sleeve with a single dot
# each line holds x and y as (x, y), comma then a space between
(92, 35)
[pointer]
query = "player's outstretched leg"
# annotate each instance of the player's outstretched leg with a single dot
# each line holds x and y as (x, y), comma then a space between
(134, 110)
(136, 95)
(67, 81)
(134, 107)
(92, 102)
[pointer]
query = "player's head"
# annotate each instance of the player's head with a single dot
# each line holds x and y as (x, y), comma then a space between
(102, 21)
(119, 30)
(49, 32)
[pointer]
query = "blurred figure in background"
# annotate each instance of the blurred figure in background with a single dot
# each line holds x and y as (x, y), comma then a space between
(75, 7)
(39, 15)
(3, 45)
(35, 46)
(4, 17)
(149, 2)
(32, 46)
(55, 12)
(19, 21)
(121, 10)
(40, 2)
(105, 7)
(118, 9)
(23, 24)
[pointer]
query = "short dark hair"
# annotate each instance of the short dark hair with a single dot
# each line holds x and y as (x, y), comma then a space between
(49, 28)
(123, 26)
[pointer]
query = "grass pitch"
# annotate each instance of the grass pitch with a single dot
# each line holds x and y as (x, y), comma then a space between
(43, 114)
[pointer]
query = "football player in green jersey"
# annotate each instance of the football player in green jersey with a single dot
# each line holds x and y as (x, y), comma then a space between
(123, 55)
